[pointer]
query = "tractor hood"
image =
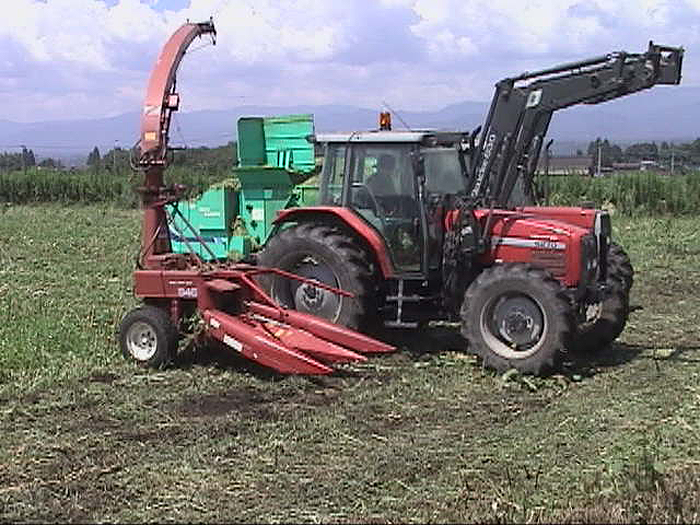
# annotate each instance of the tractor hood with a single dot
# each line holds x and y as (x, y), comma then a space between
(578, 215)
(518, 236)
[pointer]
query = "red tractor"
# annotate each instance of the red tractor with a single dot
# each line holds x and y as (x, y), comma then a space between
(426, 225)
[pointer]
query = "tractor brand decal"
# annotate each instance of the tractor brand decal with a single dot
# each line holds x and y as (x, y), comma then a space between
(258, 214)
(533, 99)
(214, 323)
(488, 151)
(233, 343)
(538, 244)
(187, 293)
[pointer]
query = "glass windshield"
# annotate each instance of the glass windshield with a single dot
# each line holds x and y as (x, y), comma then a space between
(383, 191)
(443, 174)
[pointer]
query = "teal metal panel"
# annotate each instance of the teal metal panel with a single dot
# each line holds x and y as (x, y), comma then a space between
(214, 209)
(238, 247)
(216, 240)
(251, 141)
(212, 216)
(264, 191)
(285, 142)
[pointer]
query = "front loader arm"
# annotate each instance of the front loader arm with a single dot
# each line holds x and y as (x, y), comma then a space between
(519, 116)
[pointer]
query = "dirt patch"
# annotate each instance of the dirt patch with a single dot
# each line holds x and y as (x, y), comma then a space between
(245, 400)
(263, 405)
(105, 378)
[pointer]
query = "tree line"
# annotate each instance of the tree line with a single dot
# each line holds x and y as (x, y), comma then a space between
(663, 153)
(216, 159)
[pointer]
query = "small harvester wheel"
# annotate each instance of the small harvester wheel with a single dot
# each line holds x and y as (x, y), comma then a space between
(148, 337)
(517, 316)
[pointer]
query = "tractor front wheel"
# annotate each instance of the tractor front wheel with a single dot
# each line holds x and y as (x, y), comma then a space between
(603, 322)
(148, 337)
(325, 254)
(516, 316)
(620, 266)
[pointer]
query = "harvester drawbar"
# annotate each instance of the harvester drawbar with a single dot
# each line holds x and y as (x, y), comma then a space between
(233, 308)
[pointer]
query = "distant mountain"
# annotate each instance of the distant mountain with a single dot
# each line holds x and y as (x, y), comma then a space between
(662, 113)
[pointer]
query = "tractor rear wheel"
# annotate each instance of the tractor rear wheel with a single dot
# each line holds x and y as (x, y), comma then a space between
(148, 337)
(517, 316)
(326, 254)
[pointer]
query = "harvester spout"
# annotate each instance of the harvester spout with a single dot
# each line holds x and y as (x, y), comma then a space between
(161, 100)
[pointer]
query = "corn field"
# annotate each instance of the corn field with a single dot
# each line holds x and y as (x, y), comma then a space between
(91, 186)
(630, 194)
(636, 193)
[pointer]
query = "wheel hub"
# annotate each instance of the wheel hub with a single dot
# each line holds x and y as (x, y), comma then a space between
(310, 296)
(141, 341)
(312, 299)
(519, 321)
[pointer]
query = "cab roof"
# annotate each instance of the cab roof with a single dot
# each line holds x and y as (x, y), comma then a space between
(414, 136)
(373, 136)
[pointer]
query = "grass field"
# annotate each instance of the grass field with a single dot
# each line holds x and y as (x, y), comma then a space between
(422, 435)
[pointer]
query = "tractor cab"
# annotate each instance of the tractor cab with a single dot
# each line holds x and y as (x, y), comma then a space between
(396, 182)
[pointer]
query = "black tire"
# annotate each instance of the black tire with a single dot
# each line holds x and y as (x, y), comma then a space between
(609, 318)
(620, 266)
(517, 316)
(328, 255)
(148, 337)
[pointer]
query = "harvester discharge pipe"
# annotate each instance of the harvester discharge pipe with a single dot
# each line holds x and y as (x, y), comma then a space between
(161, 100)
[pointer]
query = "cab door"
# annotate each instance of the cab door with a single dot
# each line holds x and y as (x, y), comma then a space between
(381, 187)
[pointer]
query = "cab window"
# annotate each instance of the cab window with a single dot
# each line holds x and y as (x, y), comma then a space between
(333, 175)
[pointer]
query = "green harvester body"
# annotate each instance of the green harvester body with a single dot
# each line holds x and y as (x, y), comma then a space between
(235, 216)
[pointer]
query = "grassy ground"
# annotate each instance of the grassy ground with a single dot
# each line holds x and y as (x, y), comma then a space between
(422, 435)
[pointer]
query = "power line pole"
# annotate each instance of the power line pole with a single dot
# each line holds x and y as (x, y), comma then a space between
(673, 152)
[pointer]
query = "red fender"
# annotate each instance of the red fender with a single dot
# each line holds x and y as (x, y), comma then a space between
(350, 219)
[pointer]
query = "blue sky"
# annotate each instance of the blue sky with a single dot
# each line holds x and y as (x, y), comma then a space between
(68, 59)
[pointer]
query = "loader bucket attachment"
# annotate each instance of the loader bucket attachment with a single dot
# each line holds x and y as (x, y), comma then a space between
(668, 62)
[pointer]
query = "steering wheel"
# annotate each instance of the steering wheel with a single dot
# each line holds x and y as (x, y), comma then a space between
(367, 197)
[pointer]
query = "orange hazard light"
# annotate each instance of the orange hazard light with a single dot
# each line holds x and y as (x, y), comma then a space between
(385, 121)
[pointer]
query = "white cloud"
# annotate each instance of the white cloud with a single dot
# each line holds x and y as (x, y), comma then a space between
(414, 53)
